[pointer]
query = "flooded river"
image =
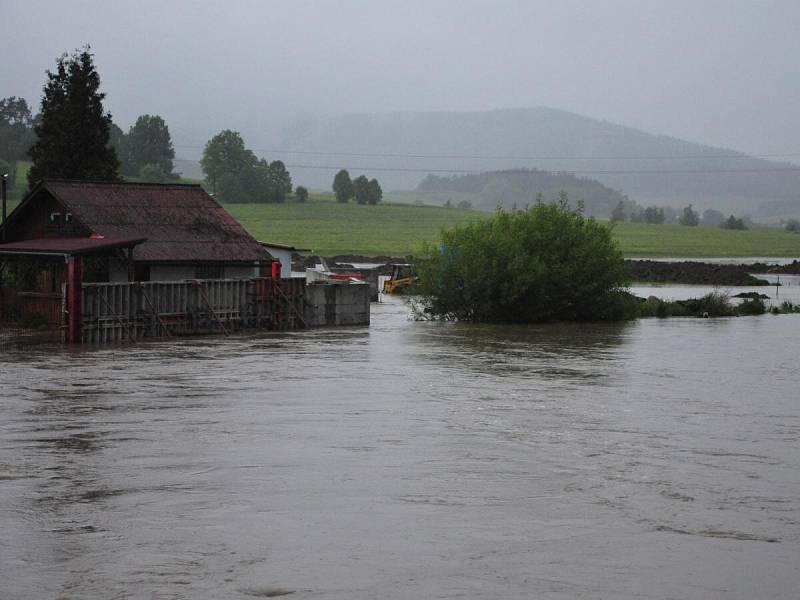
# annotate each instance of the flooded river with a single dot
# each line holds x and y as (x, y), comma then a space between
(656, 459)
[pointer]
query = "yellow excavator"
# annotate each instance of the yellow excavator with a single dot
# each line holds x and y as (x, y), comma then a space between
(399, 280)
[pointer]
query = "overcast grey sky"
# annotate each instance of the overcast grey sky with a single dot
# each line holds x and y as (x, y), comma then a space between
(722, 72)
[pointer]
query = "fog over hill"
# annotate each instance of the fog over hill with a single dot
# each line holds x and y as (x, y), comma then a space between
(401, 148)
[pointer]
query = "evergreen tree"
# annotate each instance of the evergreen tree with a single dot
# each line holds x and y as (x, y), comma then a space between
(73, 132)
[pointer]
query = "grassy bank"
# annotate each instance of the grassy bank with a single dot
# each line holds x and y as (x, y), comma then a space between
(399, 229)
(330, 228)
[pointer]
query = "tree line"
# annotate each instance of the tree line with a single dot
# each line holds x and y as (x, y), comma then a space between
(74, 137)
(363, 190)
(658, 215)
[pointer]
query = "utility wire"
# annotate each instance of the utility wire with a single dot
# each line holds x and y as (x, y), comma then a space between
(508, 157)
(572, 171)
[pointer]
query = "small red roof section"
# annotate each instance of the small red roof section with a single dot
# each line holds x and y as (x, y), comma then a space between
(180, 222)
(68, 246)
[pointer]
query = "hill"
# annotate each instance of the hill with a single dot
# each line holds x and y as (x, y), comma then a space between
(516, 188)
(402, 148)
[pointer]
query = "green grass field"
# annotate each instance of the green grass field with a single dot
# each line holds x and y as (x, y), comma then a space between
(397, 229)
(638, 239)
(329, 228)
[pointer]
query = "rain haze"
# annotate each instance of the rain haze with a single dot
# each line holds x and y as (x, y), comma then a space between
(468, 300)
(714, 72)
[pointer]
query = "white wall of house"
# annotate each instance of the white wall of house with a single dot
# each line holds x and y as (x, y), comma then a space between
(283, 255)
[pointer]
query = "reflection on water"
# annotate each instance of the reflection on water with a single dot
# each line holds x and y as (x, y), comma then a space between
(429, 460)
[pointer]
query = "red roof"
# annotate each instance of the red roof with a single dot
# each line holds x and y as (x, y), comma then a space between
(68, 245)
(180, 222)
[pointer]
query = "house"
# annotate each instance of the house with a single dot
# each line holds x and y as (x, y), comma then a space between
(283, 254)
(142, 232)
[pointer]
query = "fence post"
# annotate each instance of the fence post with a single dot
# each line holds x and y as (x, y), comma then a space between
(74, 282)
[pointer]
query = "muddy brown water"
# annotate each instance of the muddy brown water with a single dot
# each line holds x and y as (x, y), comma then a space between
(657, 459)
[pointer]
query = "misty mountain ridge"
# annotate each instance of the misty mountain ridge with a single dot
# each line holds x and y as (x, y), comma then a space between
(402, 148)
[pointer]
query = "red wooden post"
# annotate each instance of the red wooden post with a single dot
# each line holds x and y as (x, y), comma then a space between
(74, 309)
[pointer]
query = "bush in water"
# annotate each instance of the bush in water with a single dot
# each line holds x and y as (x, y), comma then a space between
(546, 263)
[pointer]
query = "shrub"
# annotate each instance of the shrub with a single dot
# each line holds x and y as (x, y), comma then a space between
(715, 304)
(546, 263)
(752, 307)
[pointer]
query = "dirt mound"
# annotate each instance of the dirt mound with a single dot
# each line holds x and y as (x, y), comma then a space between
(694, 273)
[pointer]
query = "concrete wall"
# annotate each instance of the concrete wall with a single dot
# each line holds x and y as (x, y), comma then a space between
(337, 304)
(370, 276)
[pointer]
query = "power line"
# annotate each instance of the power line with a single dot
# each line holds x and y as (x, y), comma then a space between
(509, 157)
(571, 171)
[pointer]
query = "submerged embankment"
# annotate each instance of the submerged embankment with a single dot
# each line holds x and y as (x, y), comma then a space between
(690, 272)
(705, 273)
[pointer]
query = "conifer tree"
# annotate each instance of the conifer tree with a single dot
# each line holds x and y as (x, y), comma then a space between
(73, 132)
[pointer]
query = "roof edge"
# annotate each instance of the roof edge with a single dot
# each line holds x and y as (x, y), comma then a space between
(46, 180)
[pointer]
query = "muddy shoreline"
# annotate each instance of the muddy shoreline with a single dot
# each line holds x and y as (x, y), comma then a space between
(642, 271)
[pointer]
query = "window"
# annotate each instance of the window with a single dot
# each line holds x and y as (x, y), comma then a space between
(68, 218)
(55, 218)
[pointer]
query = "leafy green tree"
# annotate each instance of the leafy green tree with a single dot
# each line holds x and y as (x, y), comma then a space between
(793, 226)
(689, 217)
(118, 141)
(237, 175)
(618, 214)
(16, 129)
(343, 186)
(153, 173)
(712, 217)
(653, 215)
(361, 189)
(375, 192)
(546, 263)
(733, 223)
(73, 132)
(148, 143)
(301, 193)
(225, 154)
(279, 182)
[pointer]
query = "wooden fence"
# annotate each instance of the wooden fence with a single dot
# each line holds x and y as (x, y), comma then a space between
(113, 312)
